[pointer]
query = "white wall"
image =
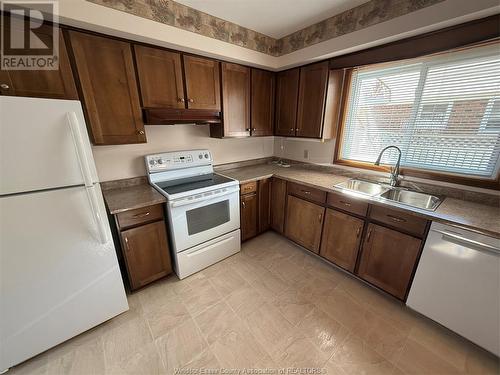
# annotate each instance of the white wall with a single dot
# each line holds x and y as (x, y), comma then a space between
(89, 16)
(125, 161)
(306, 150)
(441, 15)
(81, 13)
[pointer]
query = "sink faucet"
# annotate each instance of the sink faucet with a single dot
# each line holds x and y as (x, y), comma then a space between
(394, 171)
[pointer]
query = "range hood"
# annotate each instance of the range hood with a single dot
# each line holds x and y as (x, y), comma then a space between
(171, 116)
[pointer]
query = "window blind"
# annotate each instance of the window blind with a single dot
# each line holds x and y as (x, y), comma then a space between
(442, 111)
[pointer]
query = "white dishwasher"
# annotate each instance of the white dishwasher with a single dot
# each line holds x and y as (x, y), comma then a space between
(457, 284)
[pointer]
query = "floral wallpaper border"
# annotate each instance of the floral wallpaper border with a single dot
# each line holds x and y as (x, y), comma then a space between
(181, 16)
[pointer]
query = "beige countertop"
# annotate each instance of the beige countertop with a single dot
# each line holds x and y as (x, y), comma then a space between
(127, 198)
(470, 215)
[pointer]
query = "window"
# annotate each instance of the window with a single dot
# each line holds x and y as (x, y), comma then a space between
(442, 111)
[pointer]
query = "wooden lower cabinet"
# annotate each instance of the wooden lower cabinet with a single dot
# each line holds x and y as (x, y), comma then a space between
(278, 203)
(146, 253)
(264, 190)
(304, 221)
(388, 259)
(341, 238)
(249, 213)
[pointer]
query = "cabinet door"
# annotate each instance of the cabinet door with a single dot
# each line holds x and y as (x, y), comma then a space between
(388, 259)
(248, 209)
(236, 100)
(146, 253)
(287, 89)
(341, 238)
(278, 203)
(54, 84)
(304, 221)
(202, 83)
(160, 77)
(312, 94)
(262, 105)
(264, 192)
(336, 81)
(107, 77)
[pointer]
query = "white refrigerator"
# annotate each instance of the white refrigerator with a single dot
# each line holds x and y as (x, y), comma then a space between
(59, 274)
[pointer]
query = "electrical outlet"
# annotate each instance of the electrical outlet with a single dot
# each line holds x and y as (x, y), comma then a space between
(306, 154)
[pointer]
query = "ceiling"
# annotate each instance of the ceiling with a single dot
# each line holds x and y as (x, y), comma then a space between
(274, 18)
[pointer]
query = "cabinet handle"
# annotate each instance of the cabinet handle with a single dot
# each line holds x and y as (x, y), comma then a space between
(247, 129)
(396, 219)
(296, 129)
(254, 129)
(291, 129)
(137, 216)
(307, 192)
(320, 217)
(243, 204)
(369, 235)
(191, 100)
(345, 203)
(126, 244)
(141, 132)
(181, 100)
(4, 86)
(358, 232)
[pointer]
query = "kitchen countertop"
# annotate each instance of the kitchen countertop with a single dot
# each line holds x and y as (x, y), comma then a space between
(470, 215)
(127, 198)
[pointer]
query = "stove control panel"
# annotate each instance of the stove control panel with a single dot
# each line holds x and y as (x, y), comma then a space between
(178, 160)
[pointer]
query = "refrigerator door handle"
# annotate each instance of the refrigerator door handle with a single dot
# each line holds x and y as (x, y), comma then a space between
(94, 206)
(80, 148)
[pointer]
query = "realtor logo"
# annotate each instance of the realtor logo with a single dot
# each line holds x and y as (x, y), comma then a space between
(30, 36)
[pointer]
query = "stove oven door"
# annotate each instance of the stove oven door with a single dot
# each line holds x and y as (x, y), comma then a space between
(202, 217)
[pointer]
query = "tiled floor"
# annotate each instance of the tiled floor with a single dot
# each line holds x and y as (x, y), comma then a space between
(271, 306)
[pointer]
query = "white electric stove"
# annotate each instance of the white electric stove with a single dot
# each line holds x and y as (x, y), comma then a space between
(202, 206)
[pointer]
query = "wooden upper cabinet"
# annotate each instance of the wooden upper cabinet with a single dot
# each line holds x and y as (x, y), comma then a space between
(146, 253)
(311, 103)
(262, 105)
(106, 72)
(202, 83)
(249, 215)
(287, 89)
(388, 259)
(54, 84)
(304, 222)
(160, 77)
(341, 239)
(236, 100)
(334, 97)
(278, 203)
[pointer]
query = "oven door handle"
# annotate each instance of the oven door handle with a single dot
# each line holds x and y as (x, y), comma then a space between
(204, 197)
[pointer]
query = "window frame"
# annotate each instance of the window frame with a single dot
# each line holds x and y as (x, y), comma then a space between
(488, 183)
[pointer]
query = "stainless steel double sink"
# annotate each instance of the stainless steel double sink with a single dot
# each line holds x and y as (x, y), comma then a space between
(389, 193)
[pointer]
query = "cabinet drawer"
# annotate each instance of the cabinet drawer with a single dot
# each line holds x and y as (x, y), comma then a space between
(140, 215)
(306, 192)
(398, 219)
(249, 187)
(347, 203)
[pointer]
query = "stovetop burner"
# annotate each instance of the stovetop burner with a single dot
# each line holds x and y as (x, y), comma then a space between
(192, 183)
